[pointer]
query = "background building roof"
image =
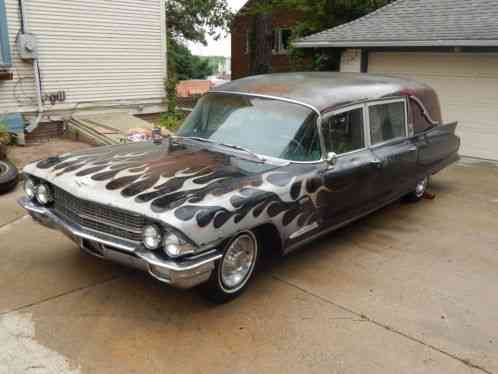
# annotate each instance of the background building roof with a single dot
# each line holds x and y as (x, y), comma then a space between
(417, 23)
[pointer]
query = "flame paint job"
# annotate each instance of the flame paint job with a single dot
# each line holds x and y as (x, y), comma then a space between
(210, 194)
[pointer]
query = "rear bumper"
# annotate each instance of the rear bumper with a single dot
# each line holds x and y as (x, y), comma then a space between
(181, 274)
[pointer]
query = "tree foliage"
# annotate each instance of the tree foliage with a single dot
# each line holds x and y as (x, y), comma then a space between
(191, 20)
(317, 15)
(195, 19)
(187, 65)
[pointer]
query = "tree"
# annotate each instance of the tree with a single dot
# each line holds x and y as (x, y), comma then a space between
(317, 15)
(194, 19)
(187, 65)
(260, 50)
(191, 20)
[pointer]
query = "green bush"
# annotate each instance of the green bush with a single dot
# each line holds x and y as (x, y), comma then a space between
(4, 134)
(171, 120)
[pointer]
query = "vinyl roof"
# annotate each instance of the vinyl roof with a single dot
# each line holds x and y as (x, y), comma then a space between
(324, 90)
(417, 23)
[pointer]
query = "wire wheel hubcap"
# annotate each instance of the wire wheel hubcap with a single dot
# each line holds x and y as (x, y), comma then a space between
(238, 262)
(3, 168)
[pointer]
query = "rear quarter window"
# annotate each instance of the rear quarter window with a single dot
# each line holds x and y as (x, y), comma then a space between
(387, 121)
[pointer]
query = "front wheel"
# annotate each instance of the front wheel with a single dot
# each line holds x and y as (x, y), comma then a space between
(234, 270)
(8, 176)
(419, 191)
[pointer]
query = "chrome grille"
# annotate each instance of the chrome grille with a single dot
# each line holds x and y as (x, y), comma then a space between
(98, 217)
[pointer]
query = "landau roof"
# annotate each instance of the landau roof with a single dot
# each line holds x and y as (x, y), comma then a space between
(417, 23)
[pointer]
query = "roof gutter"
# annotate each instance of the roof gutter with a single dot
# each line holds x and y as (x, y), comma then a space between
(396, 43)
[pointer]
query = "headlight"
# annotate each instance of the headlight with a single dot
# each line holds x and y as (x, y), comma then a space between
(30, 188)
(152, 237)
(174, 246)
(43, 194)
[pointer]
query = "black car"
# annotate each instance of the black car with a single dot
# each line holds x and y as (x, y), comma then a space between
(262, 163)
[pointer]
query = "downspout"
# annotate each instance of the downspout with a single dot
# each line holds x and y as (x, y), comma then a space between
(36, 72)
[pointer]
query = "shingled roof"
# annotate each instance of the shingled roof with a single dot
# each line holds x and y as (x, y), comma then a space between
(417, 23)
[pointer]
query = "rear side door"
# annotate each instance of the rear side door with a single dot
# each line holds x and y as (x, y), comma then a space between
(347, 183)
(391, 142)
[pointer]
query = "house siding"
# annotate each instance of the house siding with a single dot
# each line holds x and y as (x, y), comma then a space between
(19, 93)
(98, 52)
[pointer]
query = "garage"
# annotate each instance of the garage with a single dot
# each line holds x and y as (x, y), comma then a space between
(451, 45)
(467, 84)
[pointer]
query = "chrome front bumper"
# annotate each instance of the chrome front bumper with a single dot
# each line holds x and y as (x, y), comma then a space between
(181, 274)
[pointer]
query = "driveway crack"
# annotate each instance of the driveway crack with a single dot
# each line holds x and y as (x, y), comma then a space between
(54, 297)
(7, 224)
(366, 318)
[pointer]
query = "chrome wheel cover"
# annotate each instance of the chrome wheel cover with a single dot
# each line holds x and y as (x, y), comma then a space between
(238, 263)
(421, 187)
(3, 168)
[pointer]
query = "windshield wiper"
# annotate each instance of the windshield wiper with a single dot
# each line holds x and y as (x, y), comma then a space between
(236, 147)
(239, 148)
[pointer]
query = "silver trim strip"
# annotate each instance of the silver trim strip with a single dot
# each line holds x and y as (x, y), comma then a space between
(336, 227)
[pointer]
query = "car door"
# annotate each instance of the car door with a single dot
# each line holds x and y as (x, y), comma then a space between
(352, 169)
(392, 144)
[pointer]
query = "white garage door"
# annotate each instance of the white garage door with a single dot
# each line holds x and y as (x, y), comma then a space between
(467, 84)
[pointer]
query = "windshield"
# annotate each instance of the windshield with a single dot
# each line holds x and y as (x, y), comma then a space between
(267, 127)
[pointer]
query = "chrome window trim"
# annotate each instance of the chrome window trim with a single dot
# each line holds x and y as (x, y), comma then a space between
(365, 131)
(382, 102)
(283, 99)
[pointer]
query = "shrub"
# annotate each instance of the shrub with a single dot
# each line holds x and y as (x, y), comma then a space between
(4, 134)
(171, 120)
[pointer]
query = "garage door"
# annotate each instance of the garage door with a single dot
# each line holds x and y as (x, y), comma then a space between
(467, 84)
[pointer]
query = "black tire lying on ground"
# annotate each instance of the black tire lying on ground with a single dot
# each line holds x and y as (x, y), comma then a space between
(8, 176)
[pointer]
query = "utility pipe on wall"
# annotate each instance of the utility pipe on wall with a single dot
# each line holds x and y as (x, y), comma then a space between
(36, 72)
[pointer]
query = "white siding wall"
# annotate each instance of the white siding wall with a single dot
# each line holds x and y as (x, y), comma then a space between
(97, 51)
(467, 85)
(17, 94)
(351, 61)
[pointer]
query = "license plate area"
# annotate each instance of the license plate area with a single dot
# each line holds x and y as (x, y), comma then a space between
(93, 248)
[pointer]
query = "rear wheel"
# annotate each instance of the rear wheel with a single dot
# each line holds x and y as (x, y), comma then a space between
(419, 191)
(8, 176)
(234, 270)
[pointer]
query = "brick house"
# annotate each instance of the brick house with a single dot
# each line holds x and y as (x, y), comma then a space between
(283, 21)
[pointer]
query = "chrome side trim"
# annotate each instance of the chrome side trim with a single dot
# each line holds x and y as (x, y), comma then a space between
(326, 231)
(304, 230)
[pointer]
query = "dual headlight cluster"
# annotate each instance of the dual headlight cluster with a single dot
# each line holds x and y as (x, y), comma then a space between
(172, 244)
(38, 191)
(154, 237)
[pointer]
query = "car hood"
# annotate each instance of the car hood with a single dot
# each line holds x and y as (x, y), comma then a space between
(174, 183)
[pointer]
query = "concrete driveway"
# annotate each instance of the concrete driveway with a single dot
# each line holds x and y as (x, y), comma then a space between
(410, 289)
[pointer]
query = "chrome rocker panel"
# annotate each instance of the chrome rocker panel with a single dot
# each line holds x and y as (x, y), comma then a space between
(180, 274)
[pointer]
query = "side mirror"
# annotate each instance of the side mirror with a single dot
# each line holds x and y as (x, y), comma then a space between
(331, 158)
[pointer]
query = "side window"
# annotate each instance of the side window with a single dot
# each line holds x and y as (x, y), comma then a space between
(4, 37)
(387, 121)
(306, 144)
(344, 132)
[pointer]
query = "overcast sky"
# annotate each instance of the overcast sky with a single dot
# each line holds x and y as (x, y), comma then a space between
(220, 47)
